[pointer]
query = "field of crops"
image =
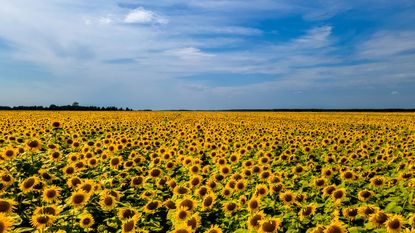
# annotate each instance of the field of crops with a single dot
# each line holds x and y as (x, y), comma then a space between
(188, 172)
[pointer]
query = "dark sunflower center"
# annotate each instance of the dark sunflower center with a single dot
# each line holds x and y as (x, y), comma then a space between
(394, 224)
(51, 193)
(78, 198)
(128, 226)
(269, 226)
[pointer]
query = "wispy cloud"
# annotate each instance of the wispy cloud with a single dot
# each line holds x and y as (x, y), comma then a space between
(143, 16)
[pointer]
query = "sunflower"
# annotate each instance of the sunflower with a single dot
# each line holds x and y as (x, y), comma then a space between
(180, 190)
(411, 220)
(230, 207)
(316, 229)
(350, 213)
(347, 176)
(107, 202)
(152, 206)
(394, 224)
(137, 181)
(208, 201)
(202, 191)
(182, 228)
(56, 125)
(69, 170)
(213, 229)
(195, 181)
(28, 184)
(34, 144)
(287, 197)
(338, 195)
(194, 221)
(367, 210)
(114, 193)
(7, 206)
(364, 195)
(41, 221)
(320, 183)
(155, 173)
(227, 192)
(51, 194)
(86, 220)
(73, 182)
(270, 225)
(378, 219)
(115, 162)
(128, 226)
(53, 210)
(126, 213)
(169, 204)
(254, 204)
(188, 203)
(377, 181)
(328, 191)
(307, 211)
(79, 199)
(254, 220)
(46, 175)
(6, 223)
(88, 186)
(261, 190)
(182, 214)
(9, 153)
(6, 179)
(335, 227)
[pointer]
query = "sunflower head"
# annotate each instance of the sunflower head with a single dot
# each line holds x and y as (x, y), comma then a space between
(7, 206)
(126, 213)
(350, 213)
(86, 220)
(254, 220)
(29, 183)
(394, 224)
(254, 204)
(214, 229)
(230, 207)
(79, 199)
(51, 193)
(288, 197)
(128, 226)
(41, 221)
(107, 202)
(378, 219)
(6, 223)
(270, 225)
(335, 227)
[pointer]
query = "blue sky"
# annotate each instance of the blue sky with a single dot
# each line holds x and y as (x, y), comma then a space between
(211, 54)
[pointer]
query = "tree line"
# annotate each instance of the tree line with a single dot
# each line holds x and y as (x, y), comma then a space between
(66, 108)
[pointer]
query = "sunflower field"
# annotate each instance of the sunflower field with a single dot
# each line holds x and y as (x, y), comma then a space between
(210, 172)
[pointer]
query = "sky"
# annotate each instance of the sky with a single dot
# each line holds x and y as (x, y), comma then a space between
(210, 54)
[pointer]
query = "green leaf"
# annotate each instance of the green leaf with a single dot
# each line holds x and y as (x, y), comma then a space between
(24, 229)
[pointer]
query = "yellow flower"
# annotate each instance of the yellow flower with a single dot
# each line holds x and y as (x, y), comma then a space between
(394, 224)
(79, 199)
(51, 194)
(6, 223)
(107, 202)
(86, 220)
(7, 206)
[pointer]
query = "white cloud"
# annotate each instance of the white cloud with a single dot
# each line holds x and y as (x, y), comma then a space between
(189, 53)
(143, 16)
(387, 43)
